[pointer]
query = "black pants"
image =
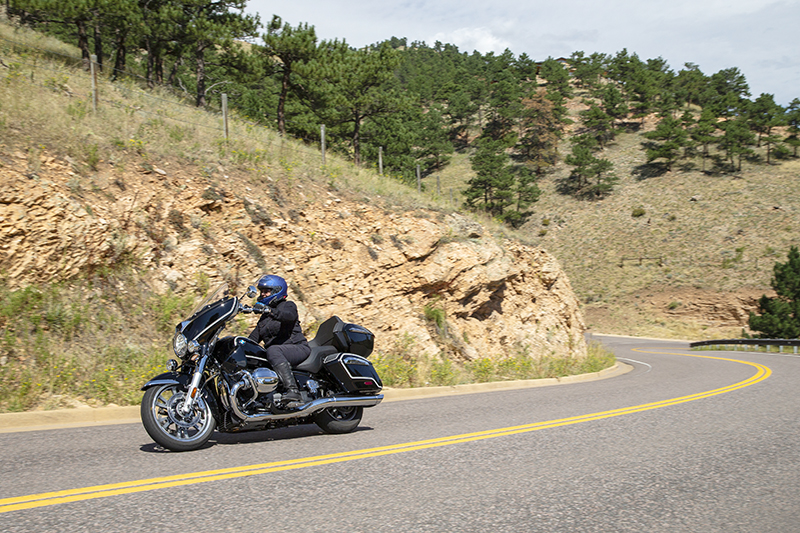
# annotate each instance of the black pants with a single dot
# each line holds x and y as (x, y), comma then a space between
(294, 354)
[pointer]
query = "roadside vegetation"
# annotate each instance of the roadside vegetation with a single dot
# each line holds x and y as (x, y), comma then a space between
(403, 367)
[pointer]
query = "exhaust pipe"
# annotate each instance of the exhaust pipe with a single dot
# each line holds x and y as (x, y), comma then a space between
(307, 409)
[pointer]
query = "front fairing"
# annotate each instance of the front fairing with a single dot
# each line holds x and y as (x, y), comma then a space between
(206, 322)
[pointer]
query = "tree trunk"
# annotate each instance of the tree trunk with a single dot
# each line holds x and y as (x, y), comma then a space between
(357, 139)
(83, 43)
(150, 64)
(120, 53)
(282, 99)
(200, 73)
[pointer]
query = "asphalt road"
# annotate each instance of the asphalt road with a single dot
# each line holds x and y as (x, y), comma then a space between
(687, 441)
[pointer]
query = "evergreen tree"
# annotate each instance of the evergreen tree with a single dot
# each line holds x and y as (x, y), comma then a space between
(492, 188)
(736, 140)
(432, 144)
(670, 138)
(688, 123)
(726, 92)
(352, 86)
(690, 84)
(613, 103)
(779, 317)
(592, 177)
(599, 125)
(587, 70)
(541, 132)
(287, 46)
(763, 115)
(703, 132)
(793, 123)
(558, 88)
(210, 27)
(526, 192)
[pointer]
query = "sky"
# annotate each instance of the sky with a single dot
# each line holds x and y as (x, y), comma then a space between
(759, 37)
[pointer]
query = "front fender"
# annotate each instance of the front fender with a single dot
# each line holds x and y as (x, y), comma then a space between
(178, 378)
(168, 378)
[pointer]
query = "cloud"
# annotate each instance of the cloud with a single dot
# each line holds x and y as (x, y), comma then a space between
(469, 39)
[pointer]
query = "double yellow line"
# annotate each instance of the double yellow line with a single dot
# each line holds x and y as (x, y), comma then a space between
(130, 487)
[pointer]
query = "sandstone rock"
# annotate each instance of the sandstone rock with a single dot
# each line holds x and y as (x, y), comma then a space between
(340, 257)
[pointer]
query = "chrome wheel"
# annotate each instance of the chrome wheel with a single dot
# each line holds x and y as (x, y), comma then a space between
(169, 426)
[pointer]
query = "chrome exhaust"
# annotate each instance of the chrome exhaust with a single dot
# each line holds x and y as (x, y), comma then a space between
(305, 410)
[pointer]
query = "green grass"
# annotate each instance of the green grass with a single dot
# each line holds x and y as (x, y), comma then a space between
(402, 367)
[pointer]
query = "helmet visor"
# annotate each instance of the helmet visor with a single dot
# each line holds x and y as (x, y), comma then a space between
(268, 291)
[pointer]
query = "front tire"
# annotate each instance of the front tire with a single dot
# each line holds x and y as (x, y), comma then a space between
(170, 428)
(337, 420)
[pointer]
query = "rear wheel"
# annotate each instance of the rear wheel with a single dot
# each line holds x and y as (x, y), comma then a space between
(169, 426)
(339, 419)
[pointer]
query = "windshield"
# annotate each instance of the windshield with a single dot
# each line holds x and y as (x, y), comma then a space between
(220, 292)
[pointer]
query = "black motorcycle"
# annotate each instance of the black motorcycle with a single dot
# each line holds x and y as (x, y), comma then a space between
(226, 383)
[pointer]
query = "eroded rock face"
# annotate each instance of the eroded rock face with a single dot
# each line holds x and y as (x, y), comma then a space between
(357, 261)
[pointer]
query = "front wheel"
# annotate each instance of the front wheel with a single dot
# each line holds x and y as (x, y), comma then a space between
(171, 428)
(339, 419)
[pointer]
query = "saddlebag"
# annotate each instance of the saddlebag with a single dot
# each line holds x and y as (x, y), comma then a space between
(354, 373)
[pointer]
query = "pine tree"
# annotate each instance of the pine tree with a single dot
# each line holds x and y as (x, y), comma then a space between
(779, 317)
(592, 177)
(286, 47)
(599, 124)
(491, 189)
(353, 86)
(672, 138)
(703, 132)
(793, 123)
(736, 140)
(763, 114)
(541, 132)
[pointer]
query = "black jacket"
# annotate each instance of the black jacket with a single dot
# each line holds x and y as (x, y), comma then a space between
(281, 327)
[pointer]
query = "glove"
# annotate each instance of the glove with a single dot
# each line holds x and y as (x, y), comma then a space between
(262, 309)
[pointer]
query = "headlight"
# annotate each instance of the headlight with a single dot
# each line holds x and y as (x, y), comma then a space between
(194, 346)
(179, 345)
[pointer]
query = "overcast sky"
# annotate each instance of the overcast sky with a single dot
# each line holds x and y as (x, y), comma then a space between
(760, 37)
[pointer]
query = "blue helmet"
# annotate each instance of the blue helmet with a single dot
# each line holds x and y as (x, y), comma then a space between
(273, 289)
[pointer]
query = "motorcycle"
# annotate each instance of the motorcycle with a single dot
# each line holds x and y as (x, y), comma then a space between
(227, 384)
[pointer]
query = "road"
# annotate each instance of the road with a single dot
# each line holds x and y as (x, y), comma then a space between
(687, 441)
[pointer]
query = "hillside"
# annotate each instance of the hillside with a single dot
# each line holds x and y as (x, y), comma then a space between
(115, 222)
(694, 259)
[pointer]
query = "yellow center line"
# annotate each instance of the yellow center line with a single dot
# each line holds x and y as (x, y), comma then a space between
(130, 487)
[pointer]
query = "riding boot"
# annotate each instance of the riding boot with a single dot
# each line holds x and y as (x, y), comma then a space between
(292, 393)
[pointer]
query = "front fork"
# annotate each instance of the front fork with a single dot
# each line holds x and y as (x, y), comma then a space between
(194, 386)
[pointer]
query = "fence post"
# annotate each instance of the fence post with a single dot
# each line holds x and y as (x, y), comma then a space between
(225, 113)
(93, 68)
(380, 160)
(322, 142)
(419, 181)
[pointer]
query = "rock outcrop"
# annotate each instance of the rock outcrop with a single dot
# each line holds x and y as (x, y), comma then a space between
(357, 260)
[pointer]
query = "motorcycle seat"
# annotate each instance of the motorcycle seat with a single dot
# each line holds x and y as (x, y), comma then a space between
(313, 362)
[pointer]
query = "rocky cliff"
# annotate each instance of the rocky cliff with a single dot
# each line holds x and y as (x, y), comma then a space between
(357, 259)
